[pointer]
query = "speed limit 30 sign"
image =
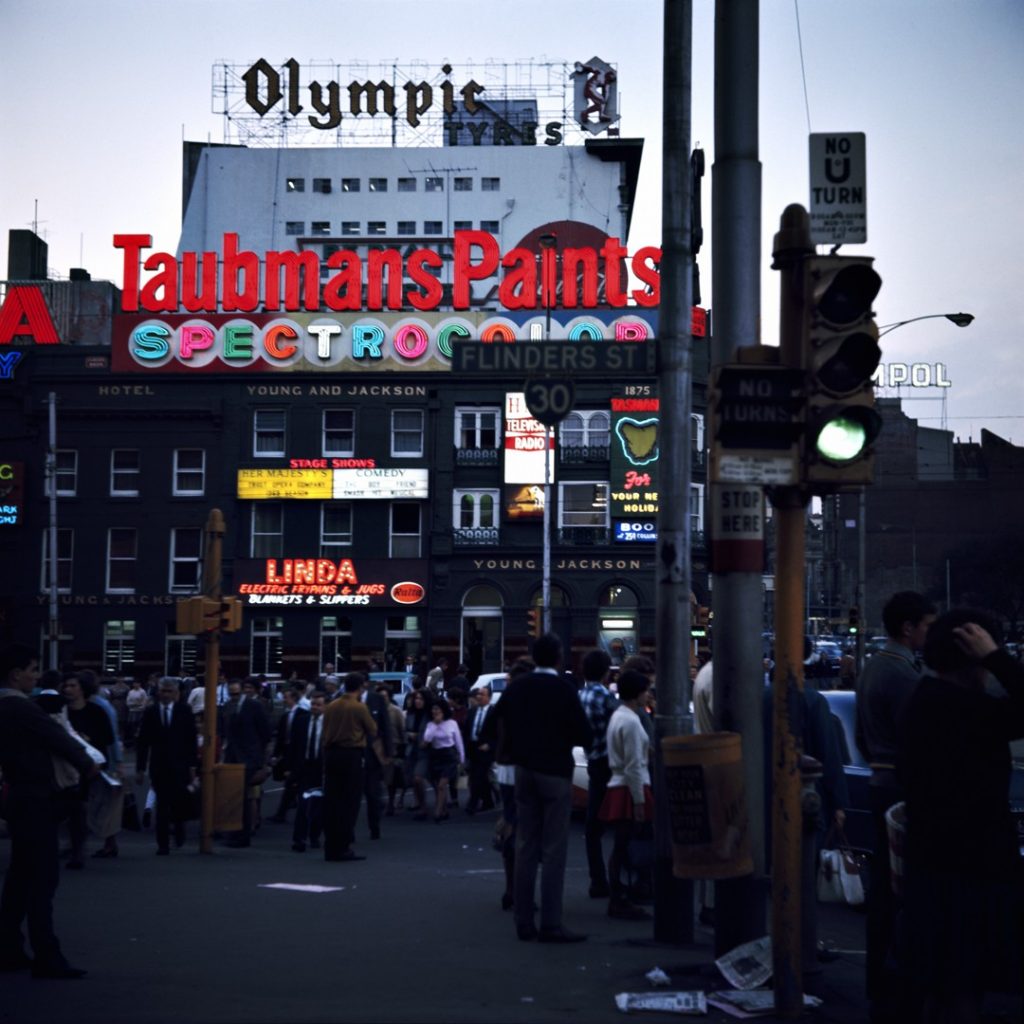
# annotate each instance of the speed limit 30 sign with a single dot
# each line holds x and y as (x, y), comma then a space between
(549, 400)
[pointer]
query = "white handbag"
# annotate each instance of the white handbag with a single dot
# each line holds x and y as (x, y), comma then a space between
(839, 878)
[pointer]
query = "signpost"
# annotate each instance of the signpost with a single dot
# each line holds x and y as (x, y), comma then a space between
(562, 358)
(838, 188)
(549, 400)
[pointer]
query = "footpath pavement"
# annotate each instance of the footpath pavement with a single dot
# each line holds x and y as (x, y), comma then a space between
(414, 933)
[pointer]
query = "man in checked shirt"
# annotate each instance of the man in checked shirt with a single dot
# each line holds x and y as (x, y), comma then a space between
(598, 704)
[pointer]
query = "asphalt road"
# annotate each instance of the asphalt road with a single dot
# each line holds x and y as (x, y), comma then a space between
(414, 933)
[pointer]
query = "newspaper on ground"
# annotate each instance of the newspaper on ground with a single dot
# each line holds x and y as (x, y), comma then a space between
(758, 1002)
(690, 1004)
(658, 978)
(747, 966)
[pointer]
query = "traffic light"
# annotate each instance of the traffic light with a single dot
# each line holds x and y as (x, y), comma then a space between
(839, 354)
(853, 621)
(230, 614)
(534, 623)
(197, 615)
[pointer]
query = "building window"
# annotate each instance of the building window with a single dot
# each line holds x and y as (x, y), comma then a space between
(186, 549)
(407, 227)
(294, 227)
(433, 185)
(268, 430)
(339, 432)
(267, 645)
(335, 528)
(490, 184)
(405, 530)
(463, 225)
(378, 184)
(122, 554)
(349, 184)
(320, 227)
(475, 517)
(377, 227)
(118, 646)
(322, 185)
(350, 227)
(463, 185)
(65, 553)
(432, 227)
(697, 430)
(336, 642)
(586, 428)
(124, 472)
(476, 427)
(267, 529)
(401, 641)
(295, 185)
(492, 227)
(583, 503)
(65, 473)
(407, 433)
(406, 184)
(180, 655)
(189, 472)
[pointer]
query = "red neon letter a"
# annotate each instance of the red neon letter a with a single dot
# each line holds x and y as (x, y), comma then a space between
(24, 312)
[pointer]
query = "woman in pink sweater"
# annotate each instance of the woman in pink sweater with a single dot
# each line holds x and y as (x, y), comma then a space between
(442, 739)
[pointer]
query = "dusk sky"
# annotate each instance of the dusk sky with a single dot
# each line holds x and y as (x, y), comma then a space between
(99, 96)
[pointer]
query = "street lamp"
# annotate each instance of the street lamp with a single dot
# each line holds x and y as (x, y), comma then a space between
(548, 241)
(960, 319)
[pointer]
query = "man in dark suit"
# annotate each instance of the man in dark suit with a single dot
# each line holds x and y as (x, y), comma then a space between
(543, 720)
(479, 752)
(289, 727)
(247, 732)
(29, 742)
(306, 768)
(373, 769)
(167, 744)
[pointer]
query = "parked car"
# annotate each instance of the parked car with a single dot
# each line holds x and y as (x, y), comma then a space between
(494, 681)
(830, 656)
(400, 684)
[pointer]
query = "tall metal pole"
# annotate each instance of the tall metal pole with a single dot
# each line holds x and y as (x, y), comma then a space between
(53, 628)
(673, 899)
(792, 245)
(211, 588)
(548, 242)
(738, 599)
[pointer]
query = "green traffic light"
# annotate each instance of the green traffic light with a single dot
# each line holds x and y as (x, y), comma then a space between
(842, 439)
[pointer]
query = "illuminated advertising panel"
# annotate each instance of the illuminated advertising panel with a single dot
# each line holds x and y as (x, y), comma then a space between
(526, 441)
(333, 484)
(12, 477)
(634, 457)
(331, 583)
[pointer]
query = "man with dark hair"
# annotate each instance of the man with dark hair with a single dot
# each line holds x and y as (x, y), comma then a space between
(885, 684)
(348, 729)
(289, 726)
(169, 748)
(479, 752)
(599, 703)
(543, 721)
(29, 741)
(246, 732)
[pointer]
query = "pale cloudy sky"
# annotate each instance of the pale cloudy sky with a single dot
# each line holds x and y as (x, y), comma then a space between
(98, 97)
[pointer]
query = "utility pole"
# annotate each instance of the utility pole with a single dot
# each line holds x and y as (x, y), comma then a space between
(673, 898)
(737, 586)
(792, 246)
(211, 589)
(53, 582)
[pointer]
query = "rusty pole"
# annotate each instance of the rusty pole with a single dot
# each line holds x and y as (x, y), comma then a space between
(211, 588)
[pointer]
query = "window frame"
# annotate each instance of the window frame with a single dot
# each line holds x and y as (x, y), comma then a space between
(133, 560)
(257, 432)
(433, 183)
(563, 486)
(177, 471)
(476, 412)
(295, 185)
(265, 508)
(175, 560)
(586, 429)
(377, 185)
(59, 471)
(293, 228)
(351, 185)
(376, 228)
(406, 228)
(394, 431)
(329, 547)
(350, 228)
(478, 494)
(122, 491)
(66, 561)
(325, 432)
(407, 185)
(490, 184)
(433, 227)
(324, 186)
(392, 534)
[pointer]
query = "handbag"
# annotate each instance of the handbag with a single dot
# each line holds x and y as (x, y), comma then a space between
(839, 878)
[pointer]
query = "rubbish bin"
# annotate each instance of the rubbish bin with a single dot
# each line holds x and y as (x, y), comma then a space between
(707, 806)
(228, 797)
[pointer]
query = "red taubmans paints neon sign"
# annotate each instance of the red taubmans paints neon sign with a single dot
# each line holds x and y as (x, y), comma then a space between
(243, 281)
